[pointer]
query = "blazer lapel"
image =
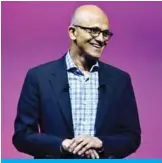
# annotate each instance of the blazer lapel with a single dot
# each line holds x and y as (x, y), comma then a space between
(59, 83)
(105, 95)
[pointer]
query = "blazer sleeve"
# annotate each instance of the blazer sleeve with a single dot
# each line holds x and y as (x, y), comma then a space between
(128, 138)
(27, 138)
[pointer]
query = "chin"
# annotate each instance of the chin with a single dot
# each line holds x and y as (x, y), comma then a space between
(93, 56)
(96, 55)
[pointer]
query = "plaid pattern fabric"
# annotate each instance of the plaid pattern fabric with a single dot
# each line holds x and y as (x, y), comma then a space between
(83, 96)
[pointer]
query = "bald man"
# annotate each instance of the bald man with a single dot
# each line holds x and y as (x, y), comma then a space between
(78, 106)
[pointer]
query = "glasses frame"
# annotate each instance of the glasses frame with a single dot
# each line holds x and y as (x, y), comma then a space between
(89, 30)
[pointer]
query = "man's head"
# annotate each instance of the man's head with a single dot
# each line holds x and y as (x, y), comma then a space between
(89, 31)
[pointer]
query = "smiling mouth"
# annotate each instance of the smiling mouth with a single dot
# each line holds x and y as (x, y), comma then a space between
(96, 46)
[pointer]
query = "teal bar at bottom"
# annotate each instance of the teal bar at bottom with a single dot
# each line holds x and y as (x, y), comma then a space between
(81, 160)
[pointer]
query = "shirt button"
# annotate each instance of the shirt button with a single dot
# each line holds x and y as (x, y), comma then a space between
(84, 102)
(85, 123)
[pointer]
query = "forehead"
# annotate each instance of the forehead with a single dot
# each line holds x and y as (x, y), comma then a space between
(95, 20)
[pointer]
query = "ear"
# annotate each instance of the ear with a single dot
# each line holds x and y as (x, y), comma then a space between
(72, 32)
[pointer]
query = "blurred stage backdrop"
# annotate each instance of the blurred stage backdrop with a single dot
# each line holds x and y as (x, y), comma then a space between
(36, 32)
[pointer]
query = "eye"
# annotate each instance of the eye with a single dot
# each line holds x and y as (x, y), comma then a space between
(95, 30)
(106, 33)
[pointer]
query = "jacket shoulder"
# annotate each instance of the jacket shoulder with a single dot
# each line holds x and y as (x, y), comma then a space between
(115, 71)
(48, 67)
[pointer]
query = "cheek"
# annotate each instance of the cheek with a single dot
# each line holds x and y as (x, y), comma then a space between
(81, 42)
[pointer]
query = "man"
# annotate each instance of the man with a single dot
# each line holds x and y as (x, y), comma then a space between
(78, 106)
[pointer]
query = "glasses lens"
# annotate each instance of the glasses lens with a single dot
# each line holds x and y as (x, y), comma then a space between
(106, 33)
(95, 31)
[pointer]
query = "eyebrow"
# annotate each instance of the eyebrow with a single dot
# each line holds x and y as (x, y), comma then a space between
(99, 28)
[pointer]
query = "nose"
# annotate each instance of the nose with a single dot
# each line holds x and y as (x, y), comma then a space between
(100, 37)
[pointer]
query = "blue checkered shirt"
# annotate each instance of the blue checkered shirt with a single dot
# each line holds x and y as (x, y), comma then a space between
(83, 96)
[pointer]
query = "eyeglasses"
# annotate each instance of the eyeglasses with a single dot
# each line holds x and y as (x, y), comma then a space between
(95, 31)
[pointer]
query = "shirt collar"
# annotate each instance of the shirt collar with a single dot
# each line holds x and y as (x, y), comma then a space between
(71, 65)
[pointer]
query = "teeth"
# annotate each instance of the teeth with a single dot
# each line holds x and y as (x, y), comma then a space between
(95, 45)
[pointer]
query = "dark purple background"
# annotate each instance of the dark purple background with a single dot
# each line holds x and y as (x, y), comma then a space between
(36, 32)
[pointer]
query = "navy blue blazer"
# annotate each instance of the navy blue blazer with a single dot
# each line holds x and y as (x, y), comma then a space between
(44, 117)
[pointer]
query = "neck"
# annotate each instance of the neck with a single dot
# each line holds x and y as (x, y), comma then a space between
(82, 60)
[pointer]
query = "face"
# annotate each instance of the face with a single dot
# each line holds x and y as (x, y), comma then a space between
(86, 43)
